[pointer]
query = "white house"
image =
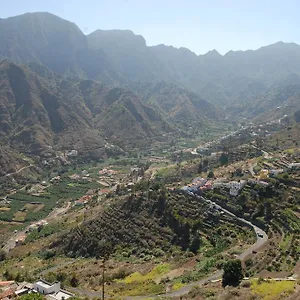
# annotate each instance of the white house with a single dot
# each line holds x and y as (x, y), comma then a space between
(52, 290)
(72, 153)
(45, 288)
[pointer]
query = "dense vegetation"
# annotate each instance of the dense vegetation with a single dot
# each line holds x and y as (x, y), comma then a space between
(148, 222)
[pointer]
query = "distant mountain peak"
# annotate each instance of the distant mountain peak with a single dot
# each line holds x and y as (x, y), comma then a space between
(118, 36)
(213, 53)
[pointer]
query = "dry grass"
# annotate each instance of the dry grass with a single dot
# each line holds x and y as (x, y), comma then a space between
(271, 289)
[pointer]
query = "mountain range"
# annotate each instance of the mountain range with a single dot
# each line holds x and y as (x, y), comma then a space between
(61, 89)
(120, 56)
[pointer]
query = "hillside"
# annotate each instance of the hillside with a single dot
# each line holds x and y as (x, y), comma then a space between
(155, 221)
(128, 54)
(277, 102)
(10, 161)
(177, 104)
(42, 111)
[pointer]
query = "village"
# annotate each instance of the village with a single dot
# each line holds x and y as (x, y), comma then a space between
(257, 172)
(79, 190)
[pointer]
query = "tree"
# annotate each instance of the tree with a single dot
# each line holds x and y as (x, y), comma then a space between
(2, 255)
(223, 159)
(74, 281)
(7, 275)
(32, 296)
(233, 273)
(195, 243)
(210, 174)
(203, 166)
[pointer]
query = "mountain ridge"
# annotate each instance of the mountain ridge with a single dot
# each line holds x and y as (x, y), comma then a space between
(119, 56)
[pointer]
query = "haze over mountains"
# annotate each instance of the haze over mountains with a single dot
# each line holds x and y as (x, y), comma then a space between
(152, 91)
(119, 56)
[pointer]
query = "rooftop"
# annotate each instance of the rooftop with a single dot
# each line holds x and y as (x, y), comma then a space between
(44, 284)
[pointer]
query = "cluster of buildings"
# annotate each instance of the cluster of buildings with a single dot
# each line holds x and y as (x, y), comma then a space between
(198, 185)
(234, 186)
(83, 176)
(83, 200)
(11, 289)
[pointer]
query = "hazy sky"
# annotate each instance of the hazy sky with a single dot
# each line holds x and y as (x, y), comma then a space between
(195, 24)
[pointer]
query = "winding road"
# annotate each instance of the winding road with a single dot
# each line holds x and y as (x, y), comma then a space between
(261, 239)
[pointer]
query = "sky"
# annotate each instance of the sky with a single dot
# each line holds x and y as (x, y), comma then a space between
(198, 25)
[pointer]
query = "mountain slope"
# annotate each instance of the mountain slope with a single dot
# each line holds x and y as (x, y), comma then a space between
(140, 223)
(118, 57)
(177, 104)
(42, 38)
(275, 103)
(40, 110)
(128, 54)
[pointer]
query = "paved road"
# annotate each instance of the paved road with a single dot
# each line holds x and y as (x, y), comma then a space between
(11, 243)
(186, 289)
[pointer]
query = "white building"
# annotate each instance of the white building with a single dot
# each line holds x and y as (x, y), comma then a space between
(85, 173)
(72, 153)
(236, 186)
(52, 290)
(45, 288)
(275, 172)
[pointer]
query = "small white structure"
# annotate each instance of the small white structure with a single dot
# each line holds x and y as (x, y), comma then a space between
(85, 173)
(52, 290)
(45, 288)
(236, 186)
(275, 172)
(72, 153)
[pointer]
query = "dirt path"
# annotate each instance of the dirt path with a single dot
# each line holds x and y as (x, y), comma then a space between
(20, 170)
(52, 269)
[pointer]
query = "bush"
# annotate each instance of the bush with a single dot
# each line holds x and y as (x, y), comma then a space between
(120, 274)
(47, 254)
(74, 281)
(2, 255)
(210, 174)
(246, 284)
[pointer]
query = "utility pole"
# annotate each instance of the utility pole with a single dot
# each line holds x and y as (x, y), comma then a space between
(103, 279)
